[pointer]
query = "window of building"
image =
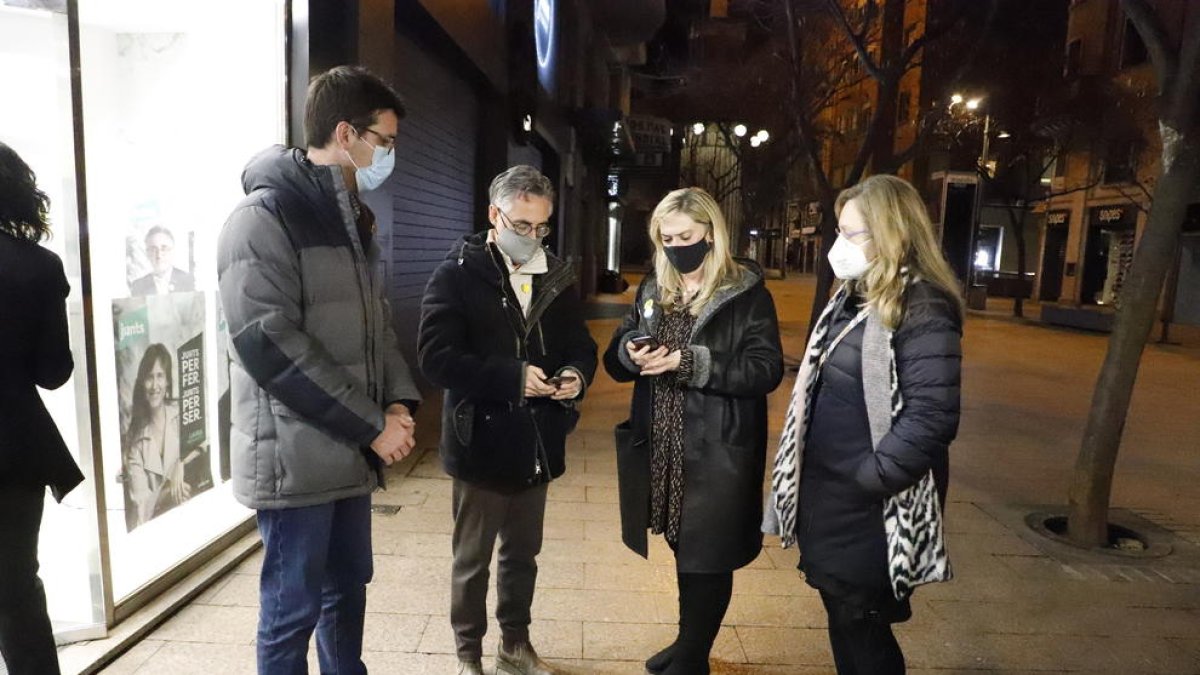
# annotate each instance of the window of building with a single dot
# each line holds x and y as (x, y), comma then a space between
(902, 107)
(1120, 162)
(1074, 59)
(1133, 49)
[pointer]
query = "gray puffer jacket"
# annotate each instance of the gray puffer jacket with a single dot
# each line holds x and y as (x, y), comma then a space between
(315, 358)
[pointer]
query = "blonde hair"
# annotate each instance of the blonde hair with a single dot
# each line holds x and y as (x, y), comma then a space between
(720, 270)
(904, 243)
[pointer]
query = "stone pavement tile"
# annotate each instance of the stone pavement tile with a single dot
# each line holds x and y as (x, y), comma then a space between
(553, 639)
(643, 577)
(782, 558)
(1150, 655)
(565, 575)
(412, 491)
(1058, 615)
(414, 520)
(637, 641)
(209, 595)
(593, 606)
(605, 466)
(400, 663)
(783, 611)
(566, 493)
(411, 544)
(394, 632)
(967, 518)
(600, 530)
(966, 650)
(194, 658)
(210, 624)
(559, 526)
(750, 581)
(576, 476)
(135, 658)
(601, 495)
(238, 590)
(401, 596)
(991, 542)
(790, 646)
(612, 552)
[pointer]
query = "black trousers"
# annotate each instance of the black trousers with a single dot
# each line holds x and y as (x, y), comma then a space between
(26, 639)
(862, 641)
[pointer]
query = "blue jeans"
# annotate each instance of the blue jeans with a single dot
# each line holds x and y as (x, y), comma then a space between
(315, 571)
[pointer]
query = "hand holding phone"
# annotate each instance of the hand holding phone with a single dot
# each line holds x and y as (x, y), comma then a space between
(559, 380)
(640, 341)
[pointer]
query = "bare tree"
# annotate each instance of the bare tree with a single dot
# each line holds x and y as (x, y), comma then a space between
(1177, 71)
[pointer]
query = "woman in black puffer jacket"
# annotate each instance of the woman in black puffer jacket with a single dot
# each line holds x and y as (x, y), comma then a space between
(860, 478)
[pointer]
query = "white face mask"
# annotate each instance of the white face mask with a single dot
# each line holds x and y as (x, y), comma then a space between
(372, 176)
(848, 259)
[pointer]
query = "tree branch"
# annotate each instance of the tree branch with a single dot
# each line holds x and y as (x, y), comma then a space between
(856, 38)
(1154, 35)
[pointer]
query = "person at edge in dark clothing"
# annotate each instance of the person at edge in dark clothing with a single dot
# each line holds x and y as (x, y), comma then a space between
(502, 331)
(861, 474)
(701, 342)
(35, 352)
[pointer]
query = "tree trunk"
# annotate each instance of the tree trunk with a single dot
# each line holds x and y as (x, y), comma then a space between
(1091, 487)
(1018, 222)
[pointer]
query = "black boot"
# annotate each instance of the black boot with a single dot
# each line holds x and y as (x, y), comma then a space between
(703, 599)
(657, 664)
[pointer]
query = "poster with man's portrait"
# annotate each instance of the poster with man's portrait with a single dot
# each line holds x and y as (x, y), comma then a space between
(165, 456)
(157, 256)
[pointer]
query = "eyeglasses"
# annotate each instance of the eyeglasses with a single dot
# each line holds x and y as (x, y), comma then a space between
(388, 142)
(541, 230)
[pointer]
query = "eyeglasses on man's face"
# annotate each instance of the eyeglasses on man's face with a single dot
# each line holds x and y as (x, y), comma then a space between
(523, 227)
(386, 142)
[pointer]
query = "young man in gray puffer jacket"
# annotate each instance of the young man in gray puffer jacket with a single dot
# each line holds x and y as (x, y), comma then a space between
(322, 397)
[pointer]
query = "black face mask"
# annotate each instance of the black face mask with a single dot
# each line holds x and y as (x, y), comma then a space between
(687, 258)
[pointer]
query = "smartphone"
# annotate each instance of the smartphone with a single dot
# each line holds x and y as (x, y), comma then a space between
(559, 380)
(640, 341)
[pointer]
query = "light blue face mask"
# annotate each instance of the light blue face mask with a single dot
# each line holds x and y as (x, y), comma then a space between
(372, 176)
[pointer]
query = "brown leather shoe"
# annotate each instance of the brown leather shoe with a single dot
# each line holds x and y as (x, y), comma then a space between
(522, 660)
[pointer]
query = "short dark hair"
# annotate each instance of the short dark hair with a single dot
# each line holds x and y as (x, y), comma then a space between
(347, 93)
(24, 209)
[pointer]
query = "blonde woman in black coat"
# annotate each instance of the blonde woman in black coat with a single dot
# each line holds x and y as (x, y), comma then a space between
(702, 344)
(34, 352)
(860, 477)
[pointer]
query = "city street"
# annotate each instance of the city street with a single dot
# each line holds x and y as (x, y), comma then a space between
(1012, 609)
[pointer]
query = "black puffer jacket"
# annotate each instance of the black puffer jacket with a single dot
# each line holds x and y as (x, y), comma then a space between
(738, 361)
(843, 482)
(475, 343)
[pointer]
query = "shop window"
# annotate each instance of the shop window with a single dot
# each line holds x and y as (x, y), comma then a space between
(1120, 162)
(1133, 49)
(177, 97)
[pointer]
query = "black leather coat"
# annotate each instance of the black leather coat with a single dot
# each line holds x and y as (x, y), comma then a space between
(738, 361)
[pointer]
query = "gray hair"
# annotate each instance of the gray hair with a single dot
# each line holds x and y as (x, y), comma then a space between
(518, 182)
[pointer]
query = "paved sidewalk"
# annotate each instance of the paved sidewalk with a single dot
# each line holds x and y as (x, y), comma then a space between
(1012, 609)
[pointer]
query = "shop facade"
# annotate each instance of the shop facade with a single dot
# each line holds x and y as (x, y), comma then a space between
(137, 118)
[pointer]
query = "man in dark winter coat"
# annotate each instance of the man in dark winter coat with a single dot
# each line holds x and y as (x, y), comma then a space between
(502, 332)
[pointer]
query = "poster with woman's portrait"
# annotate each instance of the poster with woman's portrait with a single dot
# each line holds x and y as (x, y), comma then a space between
(160, 389)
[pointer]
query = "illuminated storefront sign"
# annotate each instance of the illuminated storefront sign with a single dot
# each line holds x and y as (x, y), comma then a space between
(543, 36)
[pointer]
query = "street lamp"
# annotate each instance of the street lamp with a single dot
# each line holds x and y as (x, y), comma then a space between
(698, 128)
(973, 103)
(755, 141)
(739, 130)
(762, 135)
(956, 99)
